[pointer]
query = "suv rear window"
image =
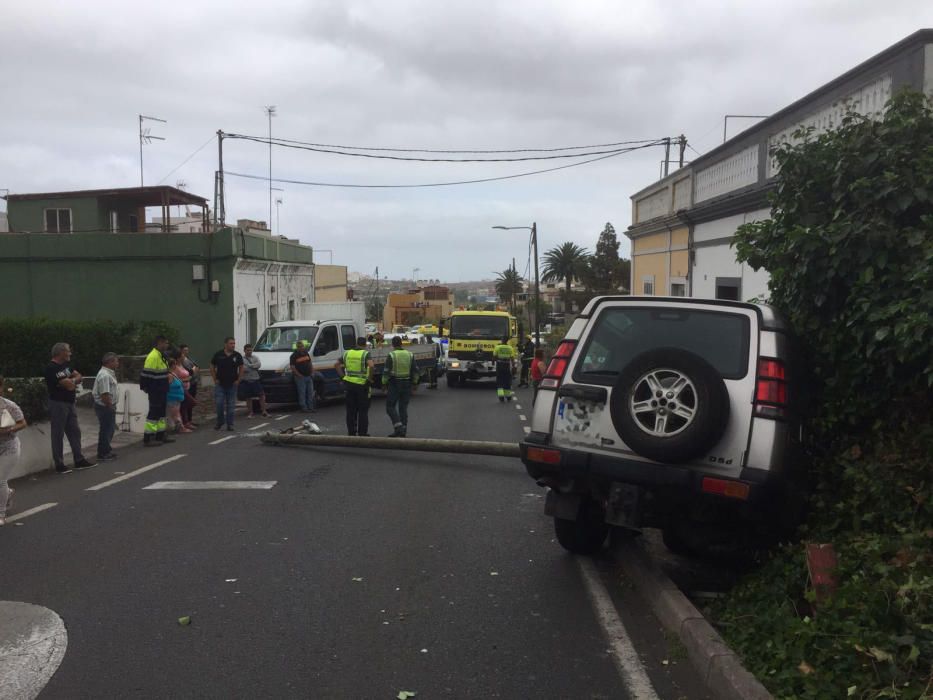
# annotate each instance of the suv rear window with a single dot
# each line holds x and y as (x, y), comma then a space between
(620, 334)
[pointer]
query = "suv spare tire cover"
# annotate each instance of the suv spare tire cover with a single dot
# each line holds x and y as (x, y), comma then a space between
(641, 400)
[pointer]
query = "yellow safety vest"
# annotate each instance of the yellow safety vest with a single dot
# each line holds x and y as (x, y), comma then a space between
(401, 364)
(503, 353)
(154, 375)
(355, 370)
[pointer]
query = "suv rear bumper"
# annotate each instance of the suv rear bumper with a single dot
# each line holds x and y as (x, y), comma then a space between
(601, 470)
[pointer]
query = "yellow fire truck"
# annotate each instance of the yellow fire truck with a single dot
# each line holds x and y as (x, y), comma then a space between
(471, 338)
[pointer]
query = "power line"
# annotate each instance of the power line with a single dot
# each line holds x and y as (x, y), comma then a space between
(443, 184)
(429, 150)
(198, 150)
(283, 144)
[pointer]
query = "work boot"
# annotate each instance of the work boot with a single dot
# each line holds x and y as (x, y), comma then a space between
(164, 438)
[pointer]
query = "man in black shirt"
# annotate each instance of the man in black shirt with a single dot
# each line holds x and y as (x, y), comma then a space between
(226, 369)
(62, 383)
(528, 354)
(303, 372)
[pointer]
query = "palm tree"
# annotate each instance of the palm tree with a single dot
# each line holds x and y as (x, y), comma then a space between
(508, 284)
(565, 262)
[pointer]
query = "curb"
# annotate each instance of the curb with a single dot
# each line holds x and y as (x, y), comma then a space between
(719, 666)
(33, 642)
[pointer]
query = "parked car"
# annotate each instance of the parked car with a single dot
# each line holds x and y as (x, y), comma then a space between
(673, 413)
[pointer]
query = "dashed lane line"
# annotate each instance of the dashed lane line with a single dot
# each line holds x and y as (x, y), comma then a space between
(282, 417)
(526, 428)
(31, 511)
(261, 425)
(521, 416)
(518, 407)
(137, 472)
(621, 648)
(223, 439)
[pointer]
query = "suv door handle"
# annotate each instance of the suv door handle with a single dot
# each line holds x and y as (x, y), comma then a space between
(584, 393)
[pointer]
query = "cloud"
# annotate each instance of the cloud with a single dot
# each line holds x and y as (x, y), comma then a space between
(410, 73)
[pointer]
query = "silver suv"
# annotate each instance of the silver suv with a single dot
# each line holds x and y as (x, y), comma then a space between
(674, 413)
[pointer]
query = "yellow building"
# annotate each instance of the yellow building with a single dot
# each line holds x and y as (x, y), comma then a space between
(423, 305)
(330, 283)
(661, 237)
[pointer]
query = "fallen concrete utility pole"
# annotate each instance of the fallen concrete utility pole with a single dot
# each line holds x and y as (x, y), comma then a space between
(473, 447)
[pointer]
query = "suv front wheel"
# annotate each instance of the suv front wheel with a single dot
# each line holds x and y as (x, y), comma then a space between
(669, 405)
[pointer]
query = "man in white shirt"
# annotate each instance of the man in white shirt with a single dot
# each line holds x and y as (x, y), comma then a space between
(105, 404)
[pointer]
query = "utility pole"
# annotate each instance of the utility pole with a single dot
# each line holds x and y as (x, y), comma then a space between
(512, 288)
(219, 214)
(270, 111)
(667, 155)
(683, 147)
(534, 249)
(146, 137)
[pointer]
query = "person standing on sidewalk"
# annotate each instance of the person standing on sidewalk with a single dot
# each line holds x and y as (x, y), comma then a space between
(251, 386)
(227, 371)
(400, 376)
(11, 422)
(105, 404)
(154, 381)
(62, 382)
(356, 368)
(302, 372)
(191, 391)
(537, 373)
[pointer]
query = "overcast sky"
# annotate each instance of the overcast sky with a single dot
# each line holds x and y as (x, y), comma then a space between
(435, 74)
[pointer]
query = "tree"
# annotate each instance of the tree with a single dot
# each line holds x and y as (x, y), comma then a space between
(602, 273)
(565, 262)
(849, 249)
(374, 309)
(508, 285)
(850, 253)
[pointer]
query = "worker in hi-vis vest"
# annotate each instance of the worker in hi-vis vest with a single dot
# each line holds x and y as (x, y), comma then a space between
(505, 358)
(400, 377)
(356, 368)
(154, 381)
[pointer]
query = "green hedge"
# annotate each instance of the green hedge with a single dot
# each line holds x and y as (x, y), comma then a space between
(849, 247)
(27, 342)
(31, 395)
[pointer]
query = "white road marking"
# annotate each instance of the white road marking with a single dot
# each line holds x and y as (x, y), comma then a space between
(518, 407)
(261, 425)
(223, 439)
(522, 417)
(31, 511)
(205, 485)
(33, 646)
(621, 648)
(137, 472)
(282, 417)
(526, 428)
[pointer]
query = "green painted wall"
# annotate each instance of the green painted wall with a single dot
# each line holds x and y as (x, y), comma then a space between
(133, 276)
(29, 215)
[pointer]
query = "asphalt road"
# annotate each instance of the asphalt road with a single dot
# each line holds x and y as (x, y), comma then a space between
(358, 574)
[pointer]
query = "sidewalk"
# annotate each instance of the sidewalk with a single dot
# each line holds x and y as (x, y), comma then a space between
(36, 440)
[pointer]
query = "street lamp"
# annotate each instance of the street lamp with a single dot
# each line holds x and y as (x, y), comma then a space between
(534, 251)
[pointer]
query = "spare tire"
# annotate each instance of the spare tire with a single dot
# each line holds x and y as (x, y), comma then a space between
(669, 405)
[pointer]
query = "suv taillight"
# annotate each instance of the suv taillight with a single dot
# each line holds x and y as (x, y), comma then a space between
(556, 370)
(771, 389)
